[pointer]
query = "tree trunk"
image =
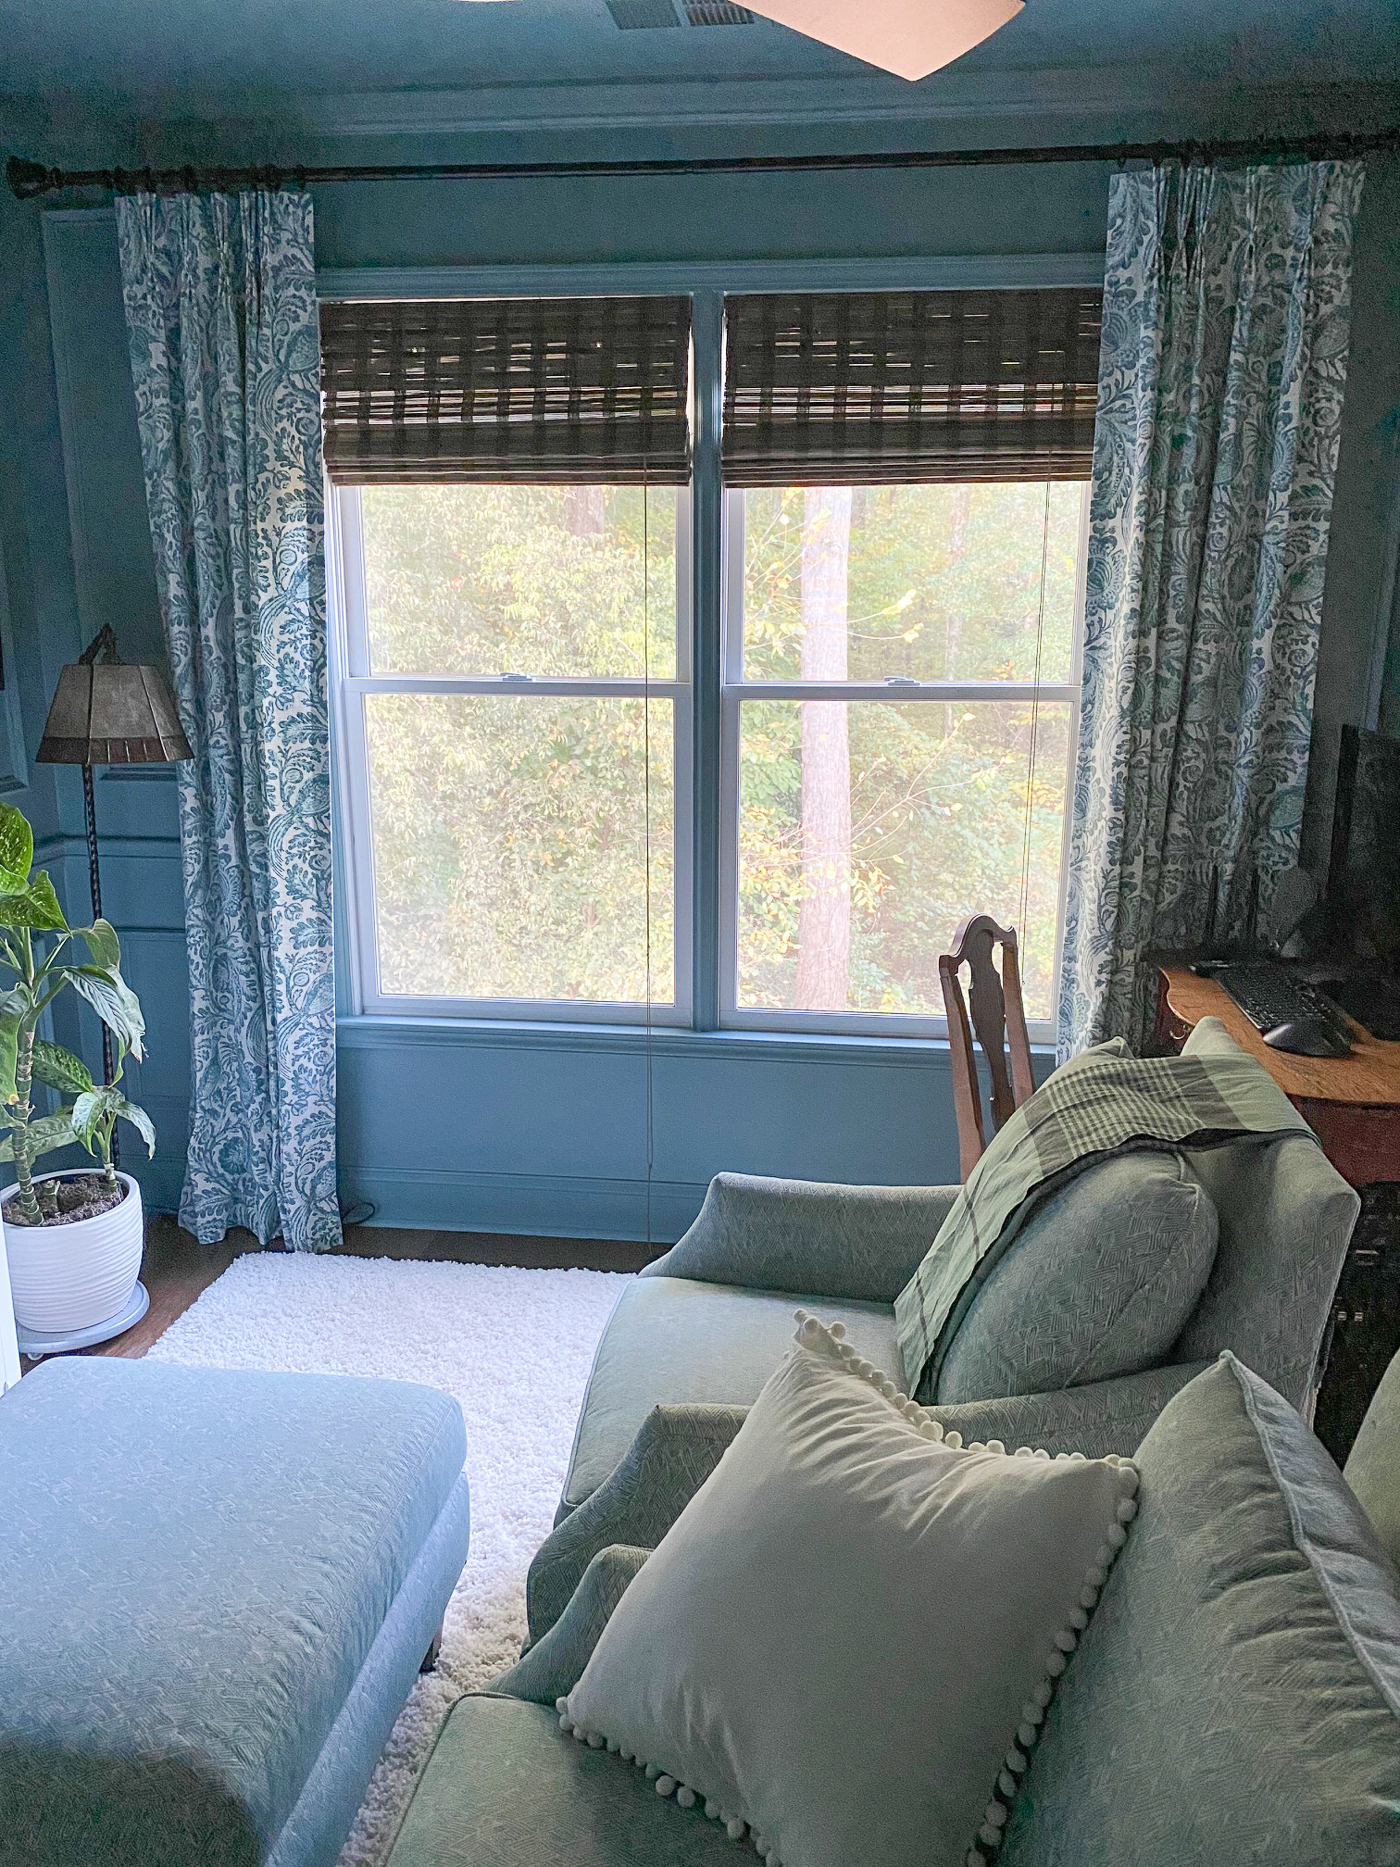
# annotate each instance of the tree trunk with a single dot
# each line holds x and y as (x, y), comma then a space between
(585, 510)
(824, 916)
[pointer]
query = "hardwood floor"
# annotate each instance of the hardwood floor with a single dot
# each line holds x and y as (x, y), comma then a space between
(176, 1269)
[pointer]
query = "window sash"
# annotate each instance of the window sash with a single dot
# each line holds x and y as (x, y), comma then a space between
(352, 683)
(735, 690)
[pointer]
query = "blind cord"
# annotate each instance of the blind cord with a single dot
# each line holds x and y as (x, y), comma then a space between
(1035, 723)
(646, 812)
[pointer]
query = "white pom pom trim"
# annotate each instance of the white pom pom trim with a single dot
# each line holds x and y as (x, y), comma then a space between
(1017, 1760)
(668, 1786)
(820, 1338)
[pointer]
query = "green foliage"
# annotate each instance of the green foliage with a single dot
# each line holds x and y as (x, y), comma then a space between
(35, 944)
(60, 1069)
(41, 1137)
(16, 849)
(524, 846)
(35, 907)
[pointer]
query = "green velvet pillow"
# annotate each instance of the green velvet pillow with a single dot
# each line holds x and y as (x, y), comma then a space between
(1236, 1697)
(844, 1647)
(1098, 1280)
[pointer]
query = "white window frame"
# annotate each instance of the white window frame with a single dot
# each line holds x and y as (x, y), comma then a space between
(735, 690)
(351, 681)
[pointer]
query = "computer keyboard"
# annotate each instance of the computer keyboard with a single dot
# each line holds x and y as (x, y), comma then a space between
(1268, 996)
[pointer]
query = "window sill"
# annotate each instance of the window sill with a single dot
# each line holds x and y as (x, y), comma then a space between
(376, 1032)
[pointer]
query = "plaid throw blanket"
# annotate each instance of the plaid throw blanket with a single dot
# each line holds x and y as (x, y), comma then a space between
(1103, 1102)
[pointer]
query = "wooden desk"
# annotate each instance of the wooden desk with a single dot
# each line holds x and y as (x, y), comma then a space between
(1352, 1104)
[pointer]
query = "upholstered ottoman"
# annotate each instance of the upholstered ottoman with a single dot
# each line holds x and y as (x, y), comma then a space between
(216, 1589)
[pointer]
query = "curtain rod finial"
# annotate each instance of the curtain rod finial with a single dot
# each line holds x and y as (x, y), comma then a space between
(28, 179)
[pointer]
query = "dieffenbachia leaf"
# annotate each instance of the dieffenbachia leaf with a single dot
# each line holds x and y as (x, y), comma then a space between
(16, 850)
(9, 1047)
(41, 1137)
(60, 1069)
(102, 944)
(35, 907)
(112, 999)
(141, 1122)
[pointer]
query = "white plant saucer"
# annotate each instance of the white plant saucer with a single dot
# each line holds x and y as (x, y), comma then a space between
(38, 1342)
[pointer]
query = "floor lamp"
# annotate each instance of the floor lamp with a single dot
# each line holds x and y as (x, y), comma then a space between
(107, 711)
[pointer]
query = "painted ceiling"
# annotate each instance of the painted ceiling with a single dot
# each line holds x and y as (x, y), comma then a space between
(159, 56)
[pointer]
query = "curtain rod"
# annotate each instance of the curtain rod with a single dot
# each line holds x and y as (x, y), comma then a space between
(30, 179)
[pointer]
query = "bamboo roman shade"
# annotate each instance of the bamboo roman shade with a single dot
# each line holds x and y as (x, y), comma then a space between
(564, 390)
(859, 388)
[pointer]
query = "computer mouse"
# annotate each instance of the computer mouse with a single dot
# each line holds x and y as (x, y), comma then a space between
(1307, 1037)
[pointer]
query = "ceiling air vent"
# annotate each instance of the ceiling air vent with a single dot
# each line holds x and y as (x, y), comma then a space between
(637, 15)
(717, 13)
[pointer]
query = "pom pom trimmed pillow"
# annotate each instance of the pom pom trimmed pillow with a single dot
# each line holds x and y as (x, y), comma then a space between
(846, 1643)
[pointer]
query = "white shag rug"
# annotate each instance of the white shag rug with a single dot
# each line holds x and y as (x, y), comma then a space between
(512, 1346)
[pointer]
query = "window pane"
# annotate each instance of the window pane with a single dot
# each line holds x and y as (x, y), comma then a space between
(542, 580)
(511, 846)
(935, 583)
(868, 830)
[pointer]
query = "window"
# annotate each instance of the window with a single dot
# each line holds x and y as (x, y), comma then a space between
(901, 546)
(512, 698)
(899, 717)
(513, 719)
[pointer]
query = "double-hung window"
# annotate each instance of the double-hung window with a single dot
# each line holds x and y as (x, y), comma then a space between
(908, 476)
(512, 652)
(900, 547)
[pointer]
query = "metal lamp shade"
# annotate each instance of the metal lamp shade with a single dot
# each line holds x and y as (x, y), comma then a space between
(112, 713)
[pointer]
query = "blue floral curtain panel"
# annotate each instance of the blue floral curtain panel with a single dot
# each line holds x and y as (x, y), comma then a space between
(1223, 365)
(220, 298)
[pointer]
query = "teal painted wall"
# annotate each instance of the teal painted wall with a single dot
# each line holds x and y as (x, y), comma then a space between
(540, 1129)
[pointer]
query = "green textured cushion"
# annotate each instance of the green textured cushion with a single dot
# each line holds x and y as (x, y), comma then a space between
(1373, 1470)
(864, 1242)
(1099, 1280)
(673, 1341)
(505, 1788)
(1237, 1695)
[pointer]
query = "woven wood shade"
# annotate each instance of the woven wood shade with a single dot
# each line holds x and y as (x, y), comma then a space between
(574, 391)
(860, 388)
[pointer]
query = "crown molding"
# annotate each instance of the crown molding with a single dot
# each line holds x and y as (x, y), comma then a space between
(1117, 101)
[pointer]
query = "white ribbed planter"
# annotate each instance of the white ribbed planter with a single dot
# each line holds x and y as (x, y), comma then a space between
(71, 1276)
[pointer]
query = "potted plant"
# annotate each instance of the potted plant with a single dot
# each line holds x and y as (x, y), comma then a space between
(73, 1238)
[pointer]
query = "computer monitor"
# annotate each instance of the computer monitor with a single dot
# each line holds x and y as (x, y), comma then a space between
(1363, 885)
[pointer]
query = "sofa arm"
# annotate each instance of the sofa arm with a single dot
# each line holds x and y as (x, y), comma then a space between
(1096, 1419)
(554, 1665)
(675, 1451)
(858, 1242)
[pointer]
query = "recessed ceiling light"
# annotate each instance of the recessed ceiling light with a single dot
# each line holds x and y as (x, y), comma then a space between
(908, 37)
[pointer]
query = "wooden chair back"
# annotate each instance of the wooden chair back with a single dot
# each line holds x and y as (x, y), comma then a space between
(998, 1018)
